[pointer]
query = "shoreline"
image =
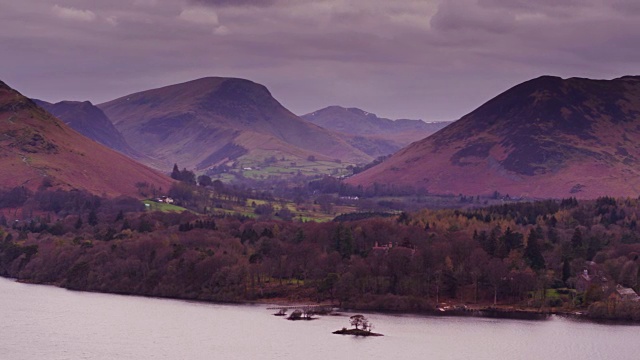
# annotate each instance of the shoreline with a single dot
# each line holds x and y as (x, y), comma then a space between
(508, 312)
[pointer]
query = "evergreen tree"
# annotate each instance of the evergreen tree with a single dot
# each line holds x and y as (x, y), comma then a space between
(343, 239)
(510, 240)
(532, 252)
(488, 243)
(576, 239)
(577, 244)
(175, 173)
(566, 270)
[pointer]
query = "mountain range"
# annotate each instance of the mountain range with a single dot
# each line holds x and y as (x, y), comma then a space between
(374, 135)
(207, 122)
(545, 138)
(37, 148)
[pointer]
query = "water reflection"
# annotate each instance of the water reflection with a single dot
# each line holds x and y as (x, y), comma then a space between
(43, 322)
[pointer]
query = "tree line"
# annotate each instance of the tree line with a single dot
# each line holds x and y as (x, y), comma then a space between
(511, 254)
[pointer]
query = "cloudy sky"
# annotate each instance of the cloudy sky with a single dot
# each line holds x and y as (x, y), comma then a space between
(428, 59)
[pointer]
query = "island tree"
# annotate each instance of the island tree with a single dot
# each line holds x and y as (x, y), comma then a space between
(360, 321)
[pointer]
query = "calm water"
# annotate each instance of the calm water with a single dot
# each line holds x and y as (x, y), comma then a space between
(43, 322)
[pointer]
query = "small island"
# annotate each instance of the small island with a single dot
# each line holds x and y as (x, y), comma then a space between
(304, 314)
(362, 327)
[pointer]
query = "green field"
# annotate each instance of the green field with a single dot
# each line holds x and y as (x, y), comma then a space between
(152, 205)
(300, 213)
(262, 169)
(304, 212)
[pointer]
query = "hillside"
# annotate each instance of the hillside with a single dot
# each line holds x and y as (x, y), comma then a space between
(374, 135)
(35, 145)
(547, 137)
(212, 121)
(89, 121)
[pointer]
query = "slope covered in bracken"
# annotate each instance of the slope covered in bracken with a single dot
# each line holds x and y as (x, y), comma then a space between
(211, 121)
(545, 138)
(34, 146)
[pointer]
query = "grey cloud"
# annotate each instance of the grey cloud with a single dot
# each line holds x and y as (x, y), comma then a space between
(466, 15)
(230, 3)
(627, 6)
(537, 5)
(426, 59)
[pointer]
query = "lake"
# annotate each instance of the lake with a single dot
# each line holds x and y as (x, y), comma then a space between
(45, 322)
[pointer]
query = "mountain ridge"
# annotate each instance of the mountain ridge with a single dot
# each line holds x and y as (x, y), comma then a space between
(363, 122)
(374, 135)
(546, 137)
(36, 146)
(90, 121)
(194, 124)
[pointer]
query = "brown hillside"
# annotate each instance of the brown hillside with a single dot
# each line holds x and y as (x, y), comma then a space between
(210, 121)
(545, 138)
(35, 145)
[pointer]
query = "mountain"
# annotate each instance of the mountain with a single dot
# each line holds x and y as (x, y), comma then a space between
(212, 121)
(545, 138)
(89, 121)
(371, 134)
(359, 122)
(35, 145)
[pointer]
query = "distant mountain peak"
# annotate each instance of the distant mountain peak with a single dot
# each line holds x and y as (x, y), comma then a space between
(211, 121)
(373, 135)
(630, 77)
(361, 112)
(355, 121)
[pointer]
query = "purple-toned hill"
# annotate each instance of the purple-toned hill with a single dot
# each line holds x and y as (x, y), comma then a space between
(211, 121)
(545, 138)
(35, 145)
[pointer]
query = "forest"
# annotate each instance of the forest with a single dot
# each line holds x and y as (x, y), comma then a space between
(527, 254)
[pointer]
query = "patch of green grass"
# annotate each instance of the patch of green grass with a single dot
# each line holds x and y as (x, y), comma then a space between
(552, 293)
(156, 206)
(302, 213)
(289, 167)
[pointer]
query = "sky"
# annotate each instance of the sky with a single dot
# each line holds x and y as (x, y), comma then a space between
(418, 59)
